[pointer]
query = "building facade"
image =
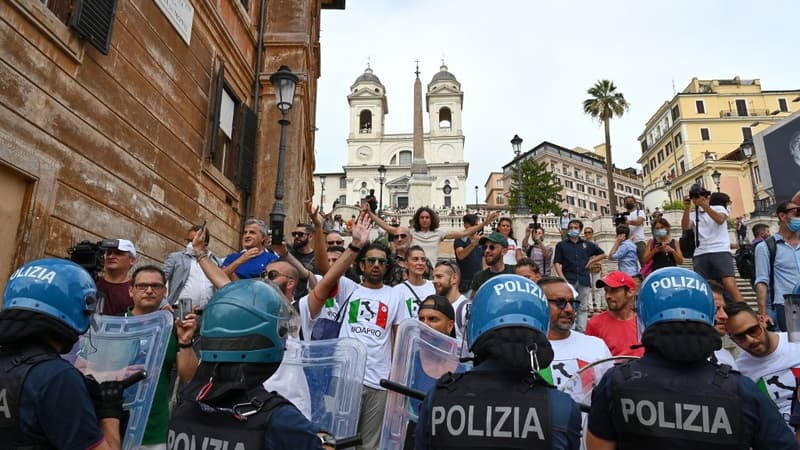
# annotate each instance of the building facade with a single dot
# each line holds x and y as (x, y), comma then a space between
(496, 191)
(700, 130)
(582, 175)
(440, 179)
(136, 121)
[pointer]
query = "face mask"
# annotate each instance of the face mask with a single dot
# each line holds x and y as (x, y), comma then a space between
(629, 206)
(573, 233)
(661, 232)
(189, 247)
(794, 224)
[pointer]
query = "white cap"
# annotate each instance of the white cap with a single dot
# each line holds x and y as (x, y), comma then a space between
(126, 246)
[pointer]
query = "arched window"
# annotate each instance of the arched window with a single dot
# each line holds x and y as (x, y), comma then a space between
(405, 158)
(445, 118)
(365, 122)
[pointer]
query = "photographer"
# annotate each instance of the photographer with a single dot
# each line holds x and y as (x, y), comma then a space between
(712, 257)
(538, 251)
(635, 220)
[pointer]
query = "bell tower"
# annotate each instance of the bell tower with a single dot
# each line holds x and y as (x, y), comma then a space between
(368, 107)
(444, 101)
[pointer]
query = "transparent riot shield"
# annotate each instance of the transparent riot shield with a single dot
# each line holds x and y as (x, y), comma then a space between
(792, 311)
(115, 348)
(334, 373)
(421, 356)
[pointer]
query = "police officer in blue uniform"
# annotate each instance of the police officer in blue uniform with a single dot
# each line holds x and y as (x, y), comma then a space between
(502, 402)
(45, 402)
(241, 345)
(674, 397)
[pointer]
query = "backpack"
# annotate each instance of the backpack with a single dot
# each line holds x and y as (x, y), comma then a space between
(745, 259)
(772, 248)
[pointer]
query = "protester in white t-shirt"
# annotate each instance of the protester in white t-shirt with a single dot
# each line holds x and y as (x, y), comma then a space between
(572, 350)
(416, 288)
(712, 257)
(636, 222)
(446, 278)
(767, 358)
(370, 313)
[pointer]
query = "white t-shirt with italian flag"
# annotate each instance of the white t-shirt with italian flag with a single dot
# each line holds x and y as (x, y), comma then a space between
(413, 295)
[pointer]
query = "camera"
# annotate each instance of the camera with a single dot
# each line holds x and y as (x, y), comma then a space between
(697, 191)
(620, 218)
(91, 255)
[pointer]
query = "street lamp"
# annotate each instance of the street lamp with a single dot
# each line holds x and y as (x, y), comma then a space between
(322, 194)
(476, 197)
(284, 82)
(516, 145)
(382, 178)
(747, 151)
(715, 175)
(668, 186)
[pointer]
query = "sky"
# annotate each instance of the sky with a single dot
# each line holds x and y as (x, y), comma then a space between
(524, 66)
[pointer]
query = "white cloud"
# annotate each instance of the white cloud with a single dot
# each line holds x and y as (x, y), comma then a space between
(525, 66)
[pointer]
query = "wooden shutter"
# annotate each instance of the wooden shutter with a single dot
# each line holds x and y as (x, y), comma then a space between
(247, 148)
(93, 20)
(219, 85)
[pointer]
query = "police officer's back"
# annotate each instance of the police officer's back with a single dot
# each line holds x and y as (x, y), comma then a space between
(241, 344)
(674, 397)
(501, 402)
(45, 402)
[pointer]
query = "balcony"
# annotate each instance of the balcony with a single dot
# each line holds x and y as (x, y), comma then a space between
(751, 112)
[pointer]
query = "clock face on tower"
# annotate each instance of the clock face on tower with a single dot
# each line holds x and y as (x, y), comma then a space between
(364, 153)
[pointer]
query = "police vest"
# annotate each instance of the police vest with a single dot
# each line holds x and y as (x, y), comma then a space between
(489, 410)
(14, 367)
(195, 425)
(654, 409)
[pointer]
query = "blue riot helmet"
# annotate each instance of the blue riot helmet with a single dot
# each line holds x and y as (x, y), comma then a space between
(507, 301)
(244, 322)
(57, 288)
(674, 294)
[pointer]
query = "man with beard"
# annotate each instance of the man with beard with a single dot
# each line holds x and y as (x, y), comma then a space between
(767, 358)
(617, 327)
(495, 247)
(303, 250)
(446, 280)
(369, 312)
(251, 261)
(416, 287)
(725, 355)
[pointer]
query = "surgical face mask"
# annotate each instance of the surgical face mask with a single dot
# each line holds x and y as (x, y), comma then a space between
(661, 232)
(794, 224)
(629, 205)
(189, 247)
(573, 233)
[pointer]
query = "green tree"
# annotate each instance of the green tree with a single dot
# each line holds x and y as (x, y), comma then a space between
(539, 187)
(604, 104)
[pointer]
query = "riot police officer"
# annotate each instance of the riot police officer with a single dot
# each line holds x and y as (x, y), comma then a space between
(673, 397)
(502, 402)
(45, 402)
(241, 344)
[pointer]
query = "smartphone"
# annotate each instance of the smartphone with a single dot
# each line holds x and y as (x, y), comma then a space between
(203, 227)
(184, 307)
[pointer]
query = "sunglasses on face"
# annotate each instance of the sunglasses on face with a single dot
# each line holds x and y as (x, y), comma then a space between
(449, 264)
(272, 274)
(753, 332)
(298, 234)
(561, 303)
(401, 236)
(493, 247)
(370, 260)
(335, 242)
(143, 287)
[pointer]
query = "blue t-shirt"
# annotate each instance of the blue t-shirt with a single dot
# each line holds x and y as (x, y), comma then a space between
(49, 388)
(565, 418)
(764, 426)
(252, 268)
(288, 428)
(626, 257)
(573, 257)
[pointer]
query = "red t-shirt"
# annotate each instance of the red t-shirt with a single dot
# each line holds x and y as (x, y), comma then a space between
(618, 335)
(117, 297)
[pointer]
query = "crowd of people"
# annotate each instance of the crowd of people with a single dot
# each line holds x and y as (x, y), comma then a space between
(532, 313)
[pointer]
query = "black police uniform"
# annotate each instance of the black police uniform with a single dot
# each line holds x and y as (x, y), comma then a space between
(488, 408)
(654, 403)
(262, 420)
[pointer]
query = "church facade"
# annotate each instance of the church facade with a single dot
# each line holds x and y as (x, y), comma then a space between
(422, 169)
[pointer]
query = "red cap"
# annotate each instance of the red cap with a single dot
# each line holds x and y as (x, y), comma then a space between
(617, 279)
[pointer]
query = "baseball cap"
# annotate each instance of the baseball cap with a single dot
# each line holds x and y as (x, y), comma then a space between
(441, 304)
(617, 279)
(123, 245)
(496, 237)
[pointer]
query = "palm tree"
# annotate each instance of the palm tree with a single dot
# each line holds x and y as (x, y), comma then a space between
(604, 104)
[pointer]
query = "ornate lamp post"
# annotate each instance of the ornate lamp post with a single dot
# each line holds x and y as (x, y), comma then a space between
(476, 196)
(516, 145)
(382, 179)
(322, 193)
(668, 186)
(716, 176)
(284, 82)
(747, 149)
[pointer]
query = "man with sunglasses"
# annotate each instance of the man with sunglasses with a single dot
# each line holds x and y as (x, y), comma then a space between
(114, 283)
(369, 312)
(495, 246)
(768, 357)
